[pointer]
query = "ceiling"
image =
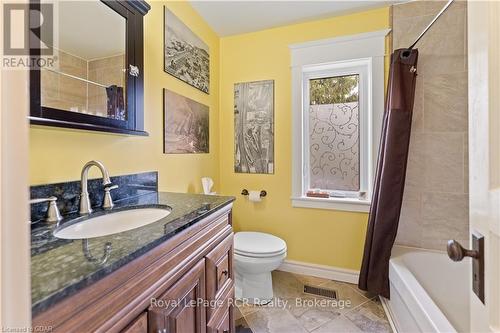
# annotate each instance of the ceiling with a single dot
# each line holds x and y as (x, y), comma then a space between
(89, 29)
(236, 17)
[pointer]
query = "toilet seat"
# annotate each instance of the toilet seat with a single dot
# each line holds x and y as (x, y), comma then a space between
(259, 255)
(258, 245)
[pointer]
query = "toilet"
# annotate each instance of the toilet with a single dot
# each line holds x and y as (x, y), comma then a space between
(256, 255)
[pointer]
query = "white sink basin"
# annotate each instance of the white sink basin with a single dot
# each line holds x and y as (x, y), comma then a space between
(112, 223)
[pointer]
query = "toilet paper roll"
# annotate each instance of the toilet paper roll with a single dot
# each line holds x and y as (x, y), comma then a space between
(254, 196)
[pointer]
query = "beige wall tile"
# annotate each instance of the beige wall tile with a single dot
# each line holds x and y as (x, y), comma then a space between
(50, 83)
(73, 65)
(415, 171)
(444, 216)
(72, 90)
(113, 61)
(445, 102)
(444, 206)
(435, 205)
(410, 9)
(443, 48)
(410, 221)
(406, 30)
(444, 162)
(107, 71)
(417, 124)
(432, 7)
(66, 93)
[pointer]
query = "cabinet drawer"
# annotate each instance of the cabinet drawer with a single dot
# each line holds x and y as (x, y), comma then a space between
(222, 320)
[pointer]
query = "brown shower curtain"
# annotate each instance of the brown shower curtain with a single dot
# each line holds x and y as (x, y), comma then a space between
(391, 170)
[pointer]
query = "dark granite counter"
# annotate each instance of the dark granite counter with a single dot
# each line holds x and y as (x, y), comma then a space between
(59, 268)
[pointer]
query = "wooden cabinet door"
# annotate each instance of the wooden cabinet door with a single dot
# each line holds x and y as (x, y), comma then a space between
(176, 311)
(219, 271)
(138, 325)
(223, 325)
(222, 320)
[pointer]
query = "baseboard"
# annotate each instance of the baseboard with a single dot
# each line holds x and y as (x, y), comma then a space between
(322, 271)
(388, 313)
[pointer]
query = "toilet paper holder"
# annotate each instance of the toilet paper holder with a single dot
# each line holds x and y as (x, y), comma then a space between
(263, 193)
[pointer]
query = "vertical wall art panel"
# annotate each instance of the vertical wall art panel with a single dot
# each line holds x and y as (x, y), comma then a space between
(254, 127)
(186, 127)
(187, 57)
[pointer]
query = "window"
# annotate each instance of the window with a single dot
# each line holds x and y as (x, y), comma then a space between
(333, 139)
(334, 134)
(337, 110)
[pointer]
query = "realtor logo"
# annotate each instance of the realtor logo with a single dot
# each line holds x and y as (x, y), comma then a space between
(28, 28)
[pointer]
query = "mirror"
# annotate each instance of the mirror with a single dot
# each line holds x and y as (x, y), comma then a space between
(89, 72)
(94, 79)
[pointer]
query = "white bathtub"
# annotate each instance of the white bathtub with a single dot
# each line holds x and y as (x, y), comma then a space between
(429, 292)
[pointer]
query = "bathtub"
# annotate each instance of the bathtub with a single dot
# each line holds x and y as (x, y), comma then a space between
(429, 292)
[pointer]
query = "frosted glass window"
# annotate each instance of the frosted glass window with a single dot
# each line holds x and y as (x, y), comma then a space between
(334, 132)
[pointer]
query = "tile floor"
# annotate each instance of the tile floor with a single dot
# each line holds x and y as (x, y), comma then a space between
(293, 311)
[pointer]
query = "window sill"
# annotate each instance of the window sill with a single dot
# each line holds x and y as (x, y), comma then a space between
(343, 204)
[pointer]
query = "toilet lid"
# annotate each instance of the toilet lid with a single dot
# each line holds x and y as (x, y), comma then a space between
(258, 244)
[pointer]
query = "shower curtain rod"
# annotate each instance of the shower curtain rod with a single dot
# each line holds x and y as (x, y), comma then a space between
(430, 24)
(75, 77)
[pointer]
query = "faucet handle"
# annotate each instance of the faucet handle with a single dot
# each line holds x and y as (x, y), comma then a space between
(53, 214)
(108, 200)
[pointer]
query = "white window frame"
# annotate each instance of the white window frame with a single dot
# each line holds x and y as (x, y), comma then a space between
(362, 68)
(357, 54)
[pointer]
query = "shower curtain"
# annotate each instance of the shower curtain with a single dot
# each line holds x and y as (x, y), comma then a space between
(391, 170)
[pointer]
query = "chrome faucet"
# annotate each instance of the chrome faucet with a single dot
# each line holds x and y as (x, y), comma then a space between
(85, 207)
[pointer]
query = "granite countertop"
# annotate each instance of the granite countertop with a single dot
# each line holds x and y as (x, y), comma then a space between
(59, 268)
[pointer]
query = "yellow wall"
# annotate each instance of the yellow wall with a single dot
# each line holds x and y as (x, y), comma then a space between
(316, 236)
(58, 154)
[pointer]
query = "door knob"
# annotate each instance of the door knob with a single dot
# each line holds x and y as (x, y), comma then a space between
(456, 252)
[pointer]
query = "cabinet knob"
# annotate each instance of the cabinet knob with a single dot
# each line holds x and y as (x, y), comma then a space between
(225, 331)
(225, 272)
(133, 70)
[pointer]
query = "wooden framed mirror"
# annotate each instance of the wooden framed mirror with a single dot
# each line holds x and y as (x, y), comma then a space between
(95, 79)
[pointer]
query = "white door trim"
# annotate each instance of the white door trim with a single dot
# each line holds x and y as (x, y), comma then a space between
(15, 291)
(483, 35)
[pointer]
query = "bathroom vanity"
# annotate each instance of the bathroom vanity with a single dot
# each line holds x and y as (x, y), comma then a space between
(172, 275)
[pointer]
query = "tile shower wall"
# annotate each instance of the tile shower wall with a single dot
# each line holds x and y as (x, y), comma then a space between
(62, 92)
(107, 71)
(65, 93)
(435, 203)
